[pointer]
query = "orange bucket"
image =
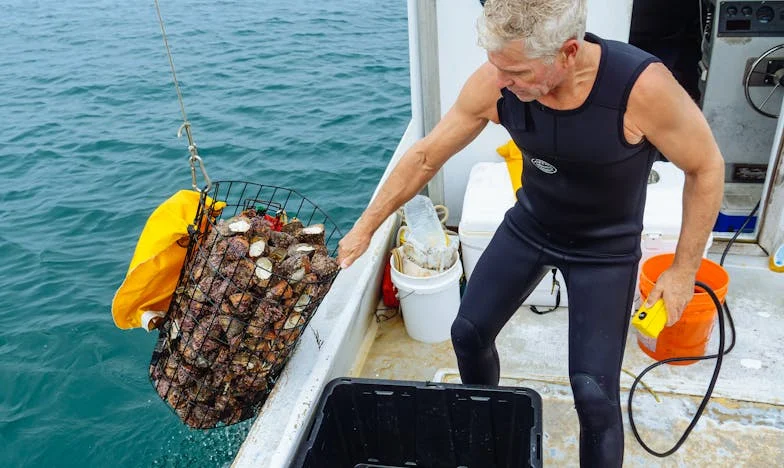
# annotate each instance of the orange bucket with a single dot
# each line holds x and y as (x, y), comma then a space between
(690, 335)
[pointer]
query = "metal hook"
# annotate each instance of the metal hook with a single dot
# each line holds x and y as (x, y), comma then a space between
(194, 158)
(179, 130)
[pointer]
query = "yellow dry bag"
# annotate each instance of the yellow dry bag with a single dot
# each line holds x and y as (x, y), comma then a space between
(155, 268)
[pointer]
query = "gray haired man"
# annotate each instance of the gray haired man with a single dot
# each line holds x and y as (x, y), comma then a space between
(589, 115)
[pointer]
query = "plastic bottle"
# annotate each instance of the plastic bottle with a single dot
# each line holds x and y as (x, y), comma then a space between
(426, 244)
(424, 227)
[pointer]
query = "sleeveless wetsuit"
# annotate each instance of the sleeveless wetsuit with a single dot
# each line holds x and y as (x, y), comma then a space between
(580, 209)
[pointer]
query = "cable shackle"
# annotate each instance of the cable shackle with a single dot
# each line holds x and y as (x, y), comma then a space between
(194, 158)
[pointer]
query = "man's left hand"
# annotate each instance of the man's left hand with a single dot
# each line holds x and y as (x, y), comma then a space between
(676, 287)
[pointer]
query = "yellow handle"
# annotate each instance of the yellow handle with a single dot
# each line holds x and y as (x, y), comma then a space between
(650, 321)
(776, 262)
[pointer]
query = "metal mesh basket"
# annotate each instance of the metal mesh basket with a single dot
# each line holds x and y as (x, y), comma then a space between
(252, 280)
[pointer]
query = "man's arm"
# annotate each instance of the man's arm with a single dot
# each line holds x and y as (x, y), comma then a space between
(474, 107)
(662, 111)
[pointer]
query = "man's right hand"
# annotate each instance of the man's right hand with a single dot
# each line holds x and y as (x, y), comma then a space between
(352, 245)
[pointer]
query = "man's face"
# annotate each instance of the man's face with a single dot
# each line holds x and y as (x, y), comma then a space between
(529, 79)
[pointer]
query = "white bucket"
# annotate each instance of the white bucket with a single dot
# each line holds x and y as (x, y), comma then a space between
(429, 305)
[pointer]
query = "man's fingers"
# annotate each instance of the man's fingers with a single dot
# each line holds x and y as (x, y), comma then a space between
(669, 307)
(672, 315)
(673, 308)
(346, 258)
(654, 296)
(350, 248)
(674, 311)
(343, 260)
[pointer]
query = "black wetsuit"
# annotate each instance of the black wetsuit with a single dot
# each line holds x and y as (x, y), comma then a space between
(580, 209)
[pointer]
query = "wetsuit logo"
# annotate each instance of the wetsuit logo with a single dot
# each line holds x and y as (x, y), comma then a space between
(544, 166)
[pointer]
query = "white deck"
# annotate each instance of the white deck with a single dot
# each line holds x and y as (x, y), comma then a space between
(742, 426)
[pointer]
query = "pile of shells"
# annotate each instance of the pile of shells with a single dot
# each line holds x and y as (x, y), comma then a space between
(251, 286)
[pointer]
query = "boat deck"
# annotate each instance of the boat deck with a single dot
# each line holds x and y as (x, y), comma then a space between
(743, 424)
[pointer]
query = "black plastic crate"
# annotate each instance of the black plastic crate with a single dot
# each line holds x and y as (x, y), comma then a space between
(397, 424)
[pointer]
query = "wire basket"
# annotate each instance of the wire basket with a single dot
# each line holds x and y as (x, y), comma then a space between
(252, 279)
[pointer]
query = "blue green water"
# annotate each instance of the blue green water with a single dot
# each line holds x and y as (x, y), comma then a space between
(305, 94)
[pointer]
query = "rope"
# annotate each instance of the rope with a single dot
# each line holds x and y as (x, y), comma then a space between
(171, 61)
(194, 158)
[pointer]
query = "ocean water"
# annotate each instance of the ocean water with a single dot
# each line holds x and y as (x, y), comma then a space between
(305, 94)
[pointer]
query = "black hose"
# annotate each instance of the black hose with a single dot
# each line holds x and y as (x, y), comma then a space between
(721, 310)
(718, 356)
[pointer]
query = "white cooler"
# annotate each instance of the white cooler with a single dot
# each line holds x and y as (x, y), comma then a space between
(663, 209)
(489, 195)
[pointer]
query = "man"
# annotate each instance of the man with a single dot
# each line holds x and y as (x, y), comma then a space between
(589, 115)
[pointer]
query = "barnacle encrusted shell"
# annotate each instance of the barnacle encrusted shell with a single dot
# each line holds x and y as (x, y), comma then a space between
(282, 239)
(292, 227)
(324, 266)
(313, 234)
